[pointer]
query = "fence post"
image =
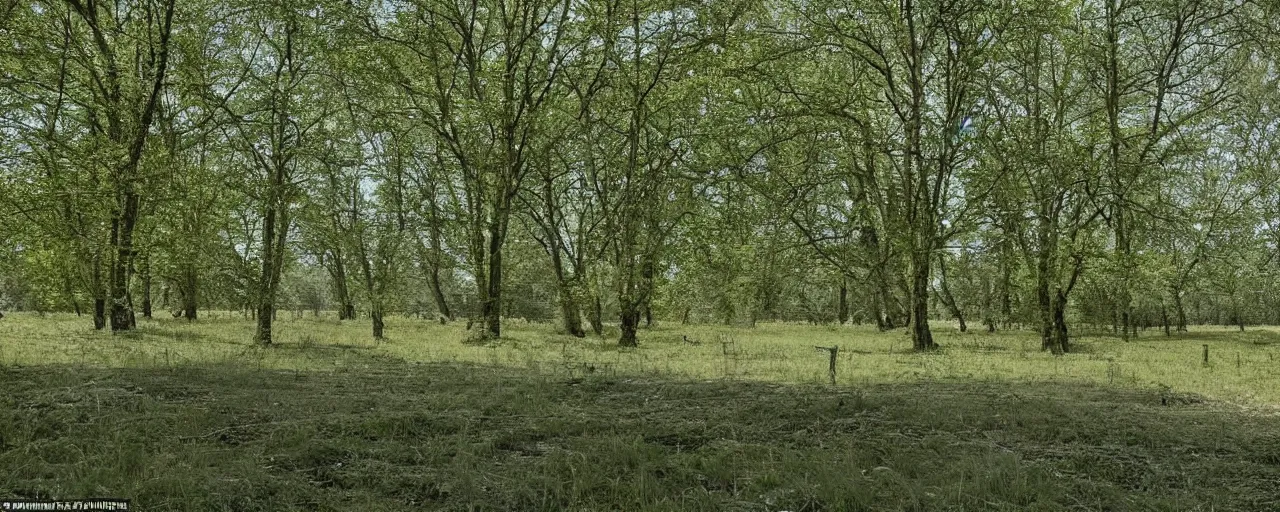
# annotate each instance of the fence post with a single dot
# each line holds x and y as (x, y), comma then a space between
(833, 352)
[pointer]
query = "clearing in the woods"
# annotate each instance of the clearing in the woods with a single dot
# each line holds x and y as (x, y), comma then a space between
(194, 417)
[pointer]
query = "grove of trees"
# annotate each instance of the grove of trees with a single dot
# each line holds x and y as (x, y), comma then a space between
(1111, 165)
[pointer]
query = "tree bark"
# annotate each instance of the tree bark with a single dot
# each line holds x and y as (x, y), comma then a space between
(1006, 286)
(146, 287)
(375, 313)
(274, 235)
(843, 313)
(1044, 300)
(1059, 343)
(921, 336)
(597, 315)
(433, 257)
(375, 299)
(1179, 311)
(338, 271)
(1239, 317)
(629, 321)
(491, 308)
(99, 299)
(569, 313)
(430, 259)
(987, 318)
(266, 283)
(646, 279)
(99, 313)
(190, 293)
(122, 226)
(880, 297)
(442, 305)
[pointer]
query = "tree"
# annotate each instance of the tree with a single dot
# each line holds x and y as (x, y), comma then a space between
(269, 122)
(479, 76)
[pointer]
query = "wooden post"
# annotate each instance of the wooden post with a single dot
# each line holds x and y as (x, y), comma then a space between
(833, 352)
(1206, 355)
(729, 347)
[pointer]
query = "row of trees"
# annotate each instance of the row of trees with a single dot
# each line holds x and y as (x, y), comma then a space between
(1017, 163)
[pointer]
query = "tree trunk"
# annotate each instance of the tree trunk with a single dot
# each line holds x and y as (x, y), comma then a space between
(646, 279)
(99, 313)
(146, 287)
(99, 298)
(432, 257)
(987, 318)
(124, 216)
(1006, 284)
(133, 317)
(921, 337)
(880, 301)
(1044, 300)
(338, 271)
(1059, 343)
(843, 313)
(190, 294)
(879, 314)
(442, 305)
(629, 320)
(1181, 314)
(569, 311)
(597, 316)
(122, 241)
(274, 234)
(264, 315)
(375, 300)
(375, 313)
(491, 309)
(1126, 322)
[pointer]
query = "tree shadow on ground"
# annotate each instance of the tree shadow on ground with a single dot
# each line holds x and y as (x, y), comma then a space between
(395, 436)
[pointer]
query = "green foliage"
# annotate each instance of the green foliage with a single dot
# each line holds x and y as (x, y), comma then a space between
(727, 162)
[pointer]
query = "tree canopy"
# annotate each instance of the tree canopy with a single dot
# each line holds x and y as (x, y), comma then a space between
(1108, 165)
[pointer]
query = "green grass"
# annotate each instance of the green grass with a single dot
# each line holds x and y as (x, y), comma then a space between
(192, 417)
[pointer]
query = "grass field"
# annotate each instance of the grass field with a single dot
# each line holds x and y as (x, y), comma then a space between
(192, 417)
